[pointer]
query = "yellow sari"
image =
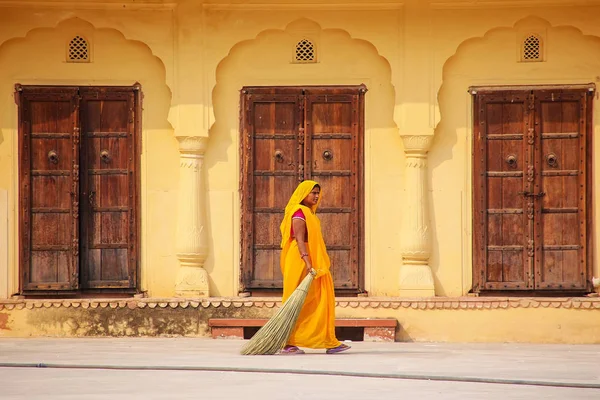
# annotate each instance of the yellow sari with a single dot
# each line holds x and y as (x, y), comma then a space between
(316, 325)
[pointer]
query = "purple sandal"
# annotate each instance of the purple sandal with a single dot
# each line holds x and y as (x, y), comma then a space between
(339, 349)
(291, 350)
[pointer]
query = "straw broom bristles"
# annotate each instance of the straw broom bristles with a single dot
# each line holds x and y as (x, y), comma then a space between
(273, 336)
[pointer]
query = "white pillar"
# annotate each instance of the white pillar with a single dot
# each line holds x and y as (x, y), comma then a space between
(416, 279)
(192, 241)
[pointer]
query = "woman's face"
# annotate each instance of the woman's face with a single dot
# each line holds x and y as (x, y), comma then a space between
(312, 198)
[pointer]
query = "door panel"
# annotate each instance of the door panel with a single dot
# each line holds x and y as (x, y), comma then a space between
(502, 224)
(48, 178)
(531, 190)
(108, 193)
(561, 259)
(288, 135)
(271, 142)
(331, 159)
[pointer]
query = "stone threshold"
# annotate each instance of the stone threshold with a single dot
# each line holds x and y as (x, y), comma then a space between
(431, 303)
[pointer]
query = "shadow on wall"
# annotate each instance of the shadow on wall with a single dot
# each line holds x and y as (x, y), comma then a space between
(494, 59)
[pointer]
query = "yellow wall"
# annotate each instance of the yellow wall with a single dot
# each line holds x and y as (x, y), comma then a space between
(571, 58)
(266, 60)
(39, 59)
(191, 59)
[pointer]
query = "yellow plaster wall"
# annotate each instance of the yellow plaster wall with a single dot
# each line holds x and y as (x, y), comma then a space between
(571, 58)
(133, 24)
(206, 53)
(39, 59)
(342, 60)
(424, 99)
(419, 321)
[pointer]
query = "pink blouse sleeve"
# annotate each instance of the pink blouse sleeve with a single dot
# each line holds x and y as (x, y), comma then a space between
(299, 215)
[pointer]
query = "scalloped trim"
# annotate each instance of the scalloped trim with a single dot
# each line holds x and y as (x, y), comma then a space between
(438, 303)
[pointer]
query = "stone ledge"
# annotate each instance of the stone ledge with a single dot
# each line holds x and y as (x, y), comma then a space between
(434, 303)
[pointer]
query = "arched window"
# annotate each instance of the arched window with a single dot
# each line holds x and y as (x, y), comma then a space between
(78, 50)
(305, 52)
(531, 49)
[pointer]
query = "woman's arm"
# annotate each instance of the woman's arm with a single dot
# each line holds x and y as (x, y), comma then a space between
(299, 226)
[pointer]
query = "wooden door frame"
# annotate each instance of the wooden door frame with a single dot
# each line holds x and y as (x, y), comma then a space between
(245, 199)
(137, 131)
(476, 190)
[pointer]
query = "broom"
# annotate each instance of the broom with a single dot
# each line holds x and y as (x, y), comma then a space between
(275, 333)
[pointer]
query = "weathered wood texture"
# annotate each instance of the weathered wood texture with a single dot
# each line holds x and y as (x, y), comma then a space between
(290, 134)
(78, 197)
(531, 192)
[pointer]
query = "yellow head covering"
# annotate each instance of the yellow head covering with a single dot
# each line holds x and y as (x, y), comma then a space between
(303, 189)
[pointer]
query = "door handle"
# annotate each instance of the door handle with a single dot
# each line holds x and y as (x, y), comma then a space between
(91, 198)
(527, 194)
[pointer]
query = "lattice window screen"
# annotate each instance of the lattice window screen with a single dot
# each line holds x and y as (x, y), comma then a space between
(305, 52)
(532, 49)
(79, 50)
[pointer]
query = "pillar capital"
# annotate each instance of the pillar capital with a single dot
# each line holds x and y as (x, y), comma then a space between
(194, 145)
(416, 145)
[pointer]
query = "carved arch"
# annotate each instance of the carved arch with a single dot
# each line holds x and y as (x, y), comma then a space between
(295, 31)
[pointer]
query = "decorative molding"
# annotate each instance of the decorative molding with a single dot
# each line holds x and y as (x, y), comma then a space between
(192, 281)
(193, 145)
(482, 4)
(437, 303)
(192, 163)
(416, 162)
(416, 144)
(366, 6)
(89, 5)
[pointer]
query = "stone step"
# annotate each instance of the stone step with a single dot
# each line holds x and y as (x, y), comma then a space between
(375, 329)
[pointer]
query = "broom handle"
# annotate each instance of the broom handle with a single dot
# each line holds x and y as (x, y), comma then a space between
(313, 272)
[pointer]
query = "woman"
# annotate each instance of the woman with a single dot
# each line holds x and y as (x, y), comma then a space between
(303, 248)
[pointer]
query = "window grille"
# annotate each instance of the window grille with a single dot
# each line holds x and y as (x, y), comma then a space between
(305, 52)
(79, 50)
(532, 49)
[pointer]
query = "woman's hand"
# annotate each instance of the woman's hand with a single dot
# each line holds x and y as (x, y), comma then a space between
(308, 266)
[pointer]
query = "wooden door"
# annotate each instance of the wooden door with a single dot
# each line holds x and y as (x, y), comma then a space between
(288, 135)
(333, 157)
(109, 196)
(531, 170)
(503, 226)
(78, 196)
(563, 166)
(48, 186)
(271, 156)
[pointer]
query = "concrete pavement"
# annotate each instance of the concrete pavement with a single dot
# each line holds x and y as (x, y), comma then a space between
(182, 368)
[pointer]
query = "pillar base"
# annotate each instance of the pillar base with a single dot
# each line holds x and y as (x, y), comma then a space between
(192, 282)
(416, 280)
